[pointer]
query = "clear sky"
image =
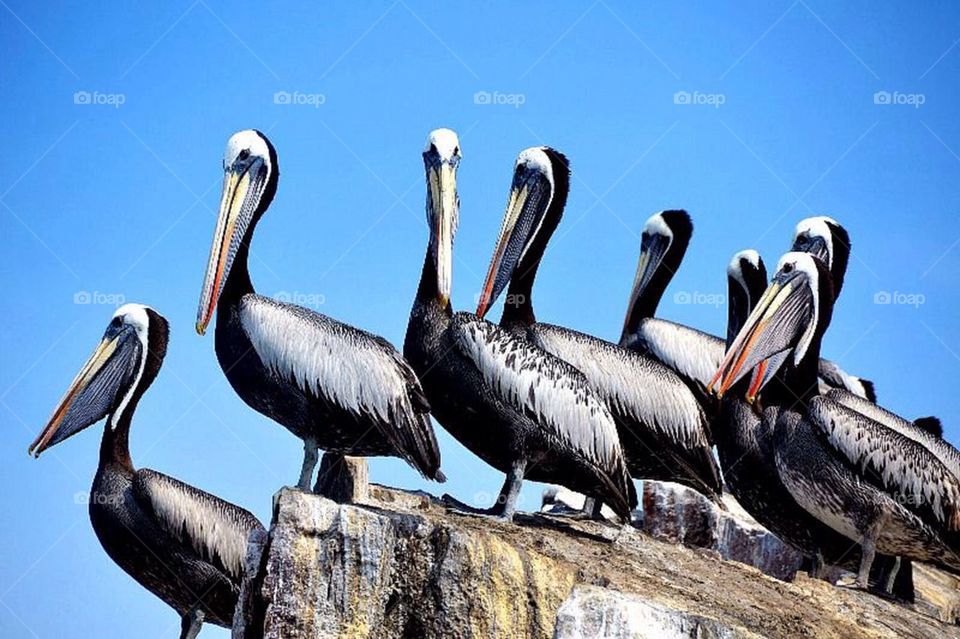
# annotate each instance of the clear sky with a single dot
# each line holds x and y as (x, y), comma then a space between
(114, 123)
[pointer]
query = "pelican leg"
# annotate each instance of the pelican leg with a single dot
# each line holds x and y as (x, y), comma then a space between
(868, 546)
(506, 504)
(310, 457)
(592, 509)
(892, 577)
(191, 623)
(816, 565)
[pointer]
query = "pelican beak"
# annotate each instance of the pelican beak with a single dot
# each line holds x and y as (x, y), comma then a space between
(769, 333)
(653, 248)
(530, 196)
(444, 205)
(71, 416)
(243, 186)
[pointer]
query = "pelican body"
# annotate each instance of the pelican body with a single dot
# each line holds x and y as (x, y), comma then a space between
(184, 545)
(334, 386)
(886, 484)
(521, 410)
(662, 428)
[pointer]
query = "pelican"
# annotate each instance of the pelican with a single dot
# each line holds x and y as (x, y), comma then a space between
(334, 386)
(693, 354)
(826, 239)
(871, 476)
(521, 410)
(182, 544)
(745, 446)
(663, 429)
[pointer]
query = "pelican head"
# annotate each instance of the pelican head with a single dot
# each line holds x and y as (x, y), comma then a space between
(746, 281)
(249, 183)
(441, 157)
(826, 239)
(663, 243)
(784, 326)
(124, 363)
(538, 194)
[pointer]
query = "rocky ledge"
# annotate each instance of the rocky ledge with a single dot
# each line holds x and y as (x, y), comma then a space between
(400, 565)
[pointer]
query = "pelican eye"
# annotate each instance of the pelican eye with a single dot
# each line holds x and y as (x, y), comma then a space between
(244, 154)
(788, 267)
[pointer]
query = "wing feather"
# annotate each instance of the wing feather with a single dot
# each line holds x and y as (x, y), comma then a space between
(904, 468)
(550, 391)
(214, 529)
(357, 371)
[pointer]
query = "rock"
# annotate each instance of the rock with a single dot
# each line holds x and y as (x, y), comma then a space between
(682, 515)
(343, 479)
(401, 565)
(590, 611)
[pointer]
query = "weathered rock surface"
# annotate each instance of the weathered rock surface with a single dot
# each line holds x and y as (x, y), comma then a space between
(402, 566)
(679, 514)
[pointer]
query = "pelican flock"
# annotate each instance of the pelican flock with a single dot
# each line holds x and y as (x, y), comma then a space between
(800, 443)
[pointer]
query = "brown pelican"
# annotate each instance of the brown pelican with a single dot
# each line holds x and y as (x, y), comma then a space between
(521, 410)
(663, 429)
(184, 545)
(871, 476)
(825, 238)
(334, 386)
(745, 446)
(693, 354)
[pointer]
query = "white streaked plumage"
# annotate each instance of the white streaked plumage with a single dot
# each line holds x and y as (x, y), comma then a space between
(215, 529)
(645, 389)
(134, 315)
(344, 365)
(548, 389)
(694, 354)
(942, 450)
(817, 227)
(906, 467)
(655, 225)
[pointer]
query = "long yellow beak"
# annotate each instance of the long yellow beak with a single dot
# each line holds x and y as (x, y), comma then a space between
(232, 197)
(515, 204)
(100, 356)
(442, 185)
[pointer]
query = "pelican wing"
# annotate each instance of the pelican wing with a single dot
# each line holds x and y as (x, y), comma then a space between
(835, 377)
(901, 466)
(635, 386)
(940, 448)
(547, 390)
(693, 354)
(214, 529)
(359, 372)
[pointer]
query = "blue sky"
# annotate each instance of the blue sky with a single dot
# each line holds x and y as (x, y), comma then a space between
(110, 194)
